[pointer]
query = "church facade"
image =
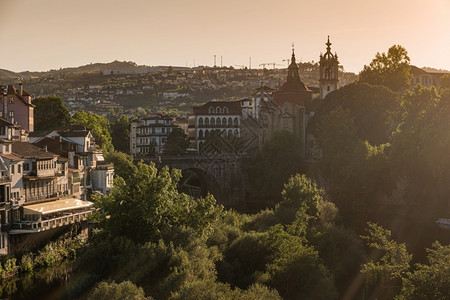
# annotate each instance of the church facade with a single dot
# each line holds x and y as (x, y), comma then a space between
(292, 105)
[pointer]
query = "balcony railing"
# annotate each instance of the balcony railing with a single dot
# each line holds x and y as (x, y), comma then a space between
(52, 223)
(4, 179)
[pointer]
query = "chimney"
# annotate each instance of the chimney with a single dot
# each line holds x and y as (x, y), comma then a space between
(21, 89)
(45, 148)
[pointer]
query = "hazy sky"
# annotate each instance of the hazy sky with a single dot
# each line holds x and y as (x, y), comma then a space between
(48, 34)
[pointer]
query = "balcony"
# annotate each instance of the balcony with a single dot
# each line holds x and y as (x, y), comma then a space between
(5, 179)
(38, 226)
(6, 227)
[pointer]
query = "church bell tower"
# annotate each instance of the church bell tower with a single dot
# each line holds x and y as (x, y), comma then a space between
(328, 71)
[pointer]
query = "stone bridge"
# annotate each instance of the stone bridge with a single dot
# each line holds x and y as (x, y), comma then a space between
(221, 174)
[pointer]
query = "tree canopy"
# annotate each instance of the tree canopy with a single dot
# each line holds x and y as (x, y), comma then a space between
(278, 159)
(50, 113)
(98, 125)
(177, 142)
(120, 134)
(391, 69)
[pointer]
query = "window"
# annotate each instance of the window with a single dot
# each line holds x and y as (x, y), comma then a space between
(218, 110)
(19, 169)
(26, 167)
(11, 100)
(225, 110)
(12, 169)
(200, 122)
(11, 114)
(211, 110)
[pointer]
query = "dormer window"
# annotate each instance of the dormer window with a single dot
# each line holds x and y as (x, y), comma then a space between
(11, 114)
(225, 110)
(211, 110)
(11, 100)
(218, 110)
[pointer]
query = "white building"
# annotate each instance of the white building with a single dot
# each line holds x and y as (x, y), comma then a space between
(148, 135)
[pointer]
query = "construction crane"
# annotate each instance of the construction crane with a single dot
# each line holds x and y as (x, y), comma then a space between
(270, 64)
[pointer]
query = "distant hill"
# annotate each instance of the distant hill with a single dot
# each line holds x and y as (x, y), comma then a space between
(6, 74)
(115, 67)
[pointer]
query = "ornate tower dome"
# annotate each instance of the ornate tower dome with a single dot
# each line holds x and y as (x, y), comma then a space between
(329, 65)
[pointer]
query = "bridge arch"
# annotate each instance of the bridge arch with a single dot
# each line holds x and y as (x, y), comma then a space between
(197, 182)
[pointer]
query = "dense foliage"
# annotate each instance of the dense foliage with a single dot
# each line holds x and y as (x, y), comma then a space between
(99, 126)
(50, 113)
(390, 69)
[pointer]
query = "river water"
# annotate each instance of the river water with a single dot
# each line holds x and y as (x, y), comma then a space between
(50, 283)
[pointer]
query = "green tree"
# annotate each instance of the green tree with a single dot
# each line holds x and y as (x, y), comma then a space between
(419, 146)
(98, 125)
(123, 164)
(120, 134)
(429, 281)
(296, 269)
(375, 110)
(391, 69)
(445, 81)
(395, 259)
(148, 206)
(112, 291)
(300, 196)
(273, 164)
(177, 143)
(50, 113)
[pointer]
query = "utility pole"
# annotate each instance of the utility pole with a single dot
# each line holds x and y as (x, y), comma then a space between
(221, 61)
(214, 60)
(250, 62)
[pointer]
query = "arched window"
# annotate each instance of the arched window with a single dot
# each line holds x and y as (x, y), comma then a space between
(200, 122)
(230, 132)
(206, 122)
(200, 134)
(206, 134)
(224, 122)
(236, 132)
(218, 122)
(225, 110)
(236, 122)
(230, 122)
(218, 110)
(213, 122)
(211, 110)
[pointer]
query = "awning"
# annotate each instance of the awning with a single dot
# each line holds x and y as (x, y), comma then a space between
(55, 206)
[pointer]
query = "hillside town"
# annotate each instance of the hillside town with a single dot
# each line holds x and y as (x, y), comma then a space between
(47, 178)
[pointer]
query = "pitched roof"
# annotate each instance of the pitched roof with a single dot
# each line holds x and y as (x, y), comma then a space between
(11, 157)
(27, 150)
(11, 90)
(233, 107)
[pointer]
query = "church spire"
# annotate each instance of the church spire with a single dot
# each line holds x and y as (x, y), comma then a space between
(293, 68)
